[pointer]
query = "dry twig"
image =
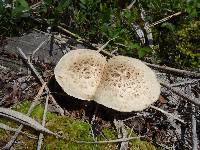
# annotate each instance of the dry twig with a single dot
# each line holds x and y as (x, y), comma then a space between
(41, 44)
(174, 70)
(23, 119)
(39, 77)
(104, 45)
(185, 82)
(41, 136)
(131, 5)
(8, 128)
(33, 104)
(110, 141)
(185, 97)
(194, 121)
(70, 33)
(164, 19)
(194, 129)
(167, 114)
(122, 133)
(36, 5)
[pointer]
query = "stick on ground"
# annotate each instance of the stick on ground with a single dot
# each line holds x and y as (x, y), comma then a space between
(174, 70)
(194, 129)
(39, 77)
(33, 104)
(167, 114)
(41, 136)
(185, 97)
(110, 141)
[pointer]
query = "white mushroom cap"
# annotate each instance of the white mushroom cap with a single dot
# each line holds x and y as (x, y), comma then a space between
(127, 85)
(79, 73)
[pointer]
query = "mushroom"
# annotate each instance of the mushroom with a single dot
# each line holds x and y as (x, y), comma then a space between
(124, 84)
(127, 85)
(79, 73)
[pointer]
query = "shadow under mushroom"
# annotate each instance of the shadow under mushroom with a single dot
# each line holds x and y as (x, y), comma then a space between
(71, 103)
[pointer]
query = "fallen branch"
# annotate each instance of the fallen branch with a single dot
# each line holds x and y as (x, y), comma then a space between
(167, 114)
(24, 119)
(122, 133)
(194, 129)
(110, 141)
(33, 104)
(164, 19)
(70, 33)
(185, 83)
(8, 128)
(39, 77)
(174, 70)
(185, 97)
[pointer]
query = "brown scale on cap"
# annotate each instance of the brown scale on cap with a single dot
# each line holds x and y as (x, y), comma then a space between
(127, 85)
(79, 73)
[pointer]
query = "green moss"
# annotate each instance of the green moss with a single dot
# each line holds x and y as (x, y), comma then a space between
(23, 107)
(138, 145)
(72, 129)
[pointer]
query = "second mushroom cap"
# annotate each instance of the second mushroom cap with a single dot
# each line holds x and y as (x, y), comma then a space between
(127, 85)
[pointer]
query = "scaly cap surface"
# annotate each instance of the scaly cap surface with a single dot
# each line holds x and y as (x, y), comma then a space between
(79, 73)
(127, 85)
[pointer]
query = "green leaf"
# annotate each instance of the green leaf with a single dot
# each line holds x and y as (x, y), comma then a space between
(22, 3)
(83, 2)
(141, 53)
(134, 45)
(20, 7)
(62, 6)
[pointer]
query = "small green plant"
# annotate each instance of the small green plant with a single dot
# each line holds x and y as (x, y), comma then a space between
(11, 15)
(99, 21)
(52, 11)
(193, 8)
(188, 45)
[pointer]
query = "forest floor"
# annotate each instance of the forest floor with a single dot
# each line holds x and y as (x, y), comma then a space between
(171, 123)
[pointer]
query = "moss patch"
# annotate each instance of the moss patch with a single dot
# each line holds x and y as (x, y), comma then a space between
(72, 129)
